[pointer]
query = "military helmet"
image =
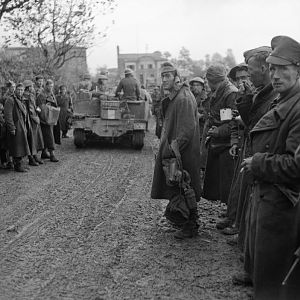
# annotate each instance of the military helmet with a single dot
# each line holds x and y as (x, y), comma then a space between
(27, 83)
(102, 77)
(128, 71)
(196, 79)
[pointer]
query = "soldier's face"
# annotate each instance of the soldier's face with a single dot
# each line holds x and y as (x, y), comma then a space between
(19, 91)
(242, 76)
(31, 89)
(50, 86)
(63, 90)
(197, 87)
(40, 82)
(283, 78)
(168, 80)
(256, 72)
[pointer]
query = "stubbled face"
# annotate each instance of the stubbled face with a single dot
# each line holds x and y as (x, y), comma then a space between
(283, 78)
(19, 91)
(196, 88)
(242, 76)
(40, 83)
(256, 72)
(212, 85)
(168, 80)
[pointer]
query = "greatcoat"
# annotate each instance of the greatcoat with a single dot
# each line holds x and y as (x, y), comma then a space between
(66, 107)
(180, 123)
(16, 118)
(273, 216)
(251, 108)
(220, 165)
(47, 130)
(37, 136)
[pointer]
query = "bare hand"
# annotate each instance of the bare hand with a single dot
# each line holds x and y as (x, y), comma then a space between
(233, 151)
(213, 131)
(246, 164)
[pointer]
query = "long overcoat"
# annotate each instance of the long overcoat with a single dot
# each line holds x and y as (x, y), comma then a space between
(47, 130)
(180, 123)
(16, 116)
(37, 136)
(220, 165)
(251, 108)
(274, 212)
(66, 106)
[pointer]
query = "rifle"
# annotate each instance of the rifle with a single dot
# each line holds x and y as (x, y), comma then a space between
(297, 254)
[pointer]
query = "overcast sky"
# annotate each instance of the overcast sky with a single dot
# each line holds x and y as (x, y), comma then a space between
(201, 26)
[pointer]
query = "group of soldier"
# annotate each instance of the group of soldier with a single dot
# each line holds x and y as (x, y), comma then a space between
(26, 129)
(234, 136)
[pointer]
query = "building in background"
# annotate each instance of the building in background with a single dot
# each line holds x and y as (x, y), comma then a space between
(146, 66)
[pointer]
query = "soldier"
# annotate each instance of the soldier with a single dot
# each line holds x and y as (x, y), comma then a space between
(130, 87)
(64, 101)
(274, 212)
(239, 74)
(180, 128)
(39, 84)
(156, 109)
(17, 122)
(220, 165)
(36, 142)
(197, 88)
(251, 105)
(47, 98)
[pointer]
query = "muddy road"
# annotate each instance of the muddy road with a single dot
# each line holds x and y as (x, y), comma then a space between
(86, 228)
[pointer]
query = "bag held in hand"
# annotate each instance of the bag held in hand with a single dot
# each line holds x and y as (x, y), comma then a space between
(49, 114)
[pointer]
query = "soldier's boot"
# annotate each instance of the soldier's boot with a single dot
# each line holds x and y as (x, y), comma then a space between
(31, 161)
(190, 228)
(45, 154)
(19, 166)
(52, 157)
(39, 161)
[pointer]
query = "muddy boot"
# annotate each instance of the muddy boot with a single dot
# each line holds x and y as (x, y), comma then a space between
(19, 166)
(52, 157)
(190, 228)
(45, 154)
(39, 161)
(32, 162)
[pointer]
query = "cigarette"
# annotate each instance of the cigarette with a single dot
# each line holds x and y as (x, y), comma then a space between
(242, 169)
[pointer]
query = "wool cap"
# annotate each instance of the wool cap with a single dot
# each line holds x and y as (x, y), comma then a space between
(216, 73)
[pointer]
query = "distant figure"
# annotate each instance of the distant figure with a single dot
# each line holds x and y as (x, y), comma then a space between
(39, 84)
(47, 98)
(86, 83)
(64, 101)
(130, 87)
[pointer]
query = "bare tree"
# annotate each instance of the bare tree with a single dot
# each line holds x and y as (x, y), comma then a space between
(8, 6)
(54, 28)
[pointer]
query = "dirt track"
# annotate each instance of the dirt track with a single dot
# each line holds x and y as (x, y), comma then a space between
(85, 228)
